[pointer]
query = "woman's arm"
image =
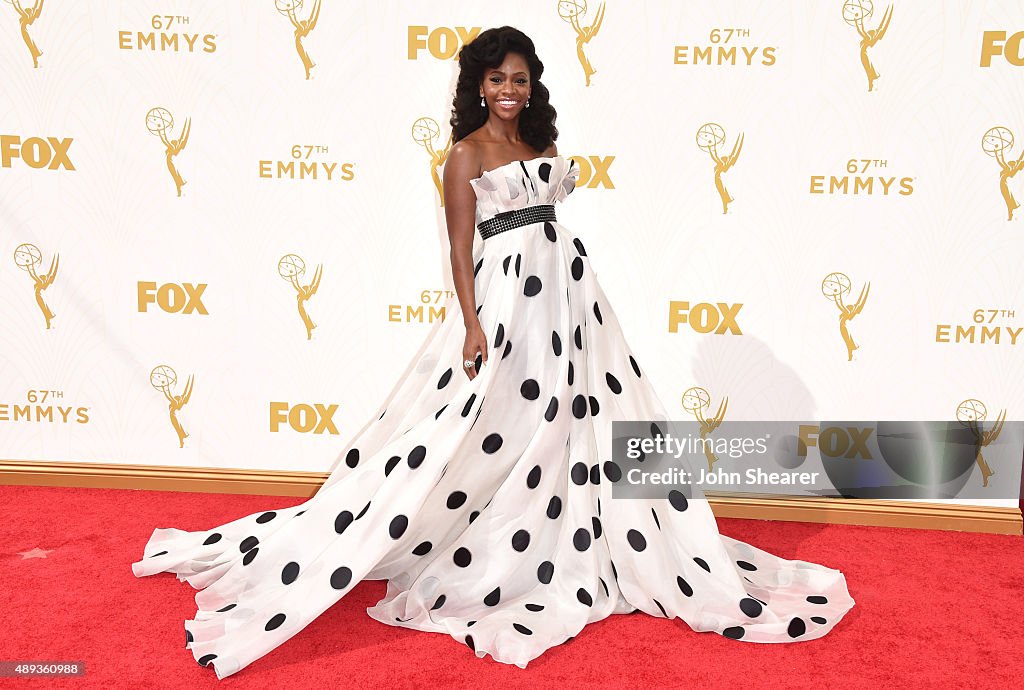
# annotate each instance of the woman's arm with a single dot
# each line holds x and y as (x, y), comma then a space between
(460, 213)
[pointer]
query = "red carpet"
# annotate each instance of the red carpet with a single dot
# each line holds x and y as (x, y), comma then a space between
(934, 609)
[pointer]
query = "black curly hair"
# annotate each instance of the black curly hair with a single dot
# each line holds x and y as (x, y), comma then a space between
(487, 51)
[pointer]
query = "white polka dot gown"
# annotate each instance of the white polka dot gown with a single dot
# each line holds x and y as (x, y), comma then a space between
(487, 504)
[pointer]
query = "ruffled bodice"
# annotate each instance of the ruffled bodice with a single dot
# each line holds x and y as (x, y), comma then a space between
(543, 180)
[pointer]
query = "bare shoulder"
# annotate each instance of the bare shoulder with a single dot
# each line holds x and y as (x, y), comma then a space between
(463, 159)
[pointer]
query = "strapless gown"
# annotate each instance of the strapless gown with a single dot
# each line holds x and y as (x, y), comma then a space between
(486, 504)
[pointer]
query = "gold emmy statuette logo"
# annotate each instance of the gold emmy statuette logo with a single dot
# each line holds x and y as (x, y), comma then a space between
(291, 267)
(160, 122)
(424, 131)
(27, 257)
(302, 27)
(854, 13)
(835, 286)
(970, 413)
(570, 11)
(163, 379)
(996, 143)
(26, 17)
(709, 137)
(697, 401)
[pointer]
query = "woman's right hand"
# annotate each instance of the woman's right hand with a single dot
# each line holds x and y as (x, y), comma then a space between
(476, 343)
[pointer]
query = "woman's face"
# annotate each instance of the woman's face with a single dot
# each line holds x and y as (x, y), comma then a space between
(506, 87)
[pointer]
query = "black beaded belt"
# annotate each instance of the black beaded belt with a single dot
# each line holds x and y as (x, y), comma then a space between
(506, 220)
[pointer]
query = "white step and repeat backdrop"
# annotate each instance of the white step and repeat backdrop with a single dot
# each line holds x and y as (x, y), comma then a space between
(221, 235)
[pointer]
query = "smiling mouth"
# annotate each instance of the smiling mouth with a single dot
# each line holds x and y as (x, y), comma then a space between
(507, 104)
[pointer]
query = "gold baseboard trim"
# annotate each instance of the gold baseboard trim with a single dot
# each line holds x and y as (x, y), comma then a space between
(874, 513)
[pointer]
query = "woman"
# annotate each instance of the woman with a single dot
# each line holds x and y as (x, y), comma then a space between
(485, 498)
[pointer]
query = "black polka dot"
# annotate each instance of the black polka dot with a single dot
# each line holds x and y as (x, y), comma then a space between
(342, 522)
(684, 586)
(206, 659)
(249, 556)
(455, 500)
(274, 623)
(556, 343)
(469, 642)
(579, 474)
(530, 389)
(494, 597)
(473, 516)
(398, 525)
(391, 463)
(534, 607)
(657, 522)
(579, 407)
(533, 479)
(476, 269)
(438, 413)
(677, 500)
(228, 607)
(817, 599)
(583, 596)
(423, 548)
(636, 540)
(268, 516)
(613, 383)
(554, 507)
(505, 263)
(416, 456)
(549, 414)
(462, 557)
(508, 349)
(439, 603)
(660, 608)
(341, 578)
(819, 620)
(532, 287)
(577, 268)
(733, 633)
(352, 458)
(579, 246)
(363, 511)
(521, 540)
(290, 572)
(594, 407)
(445, 378)
(577, 337)
(636, 367)
(750, 607)
(522, 628)
(797, 627)
(248, 543)
(162, 553)
(549, 229)
(572, 370)
(581, 539)
(597, 313)
(499, 337)
(492, 443)
(597, 527)
(519, 260)
(545, 572)
(746, 566)
(702, 563)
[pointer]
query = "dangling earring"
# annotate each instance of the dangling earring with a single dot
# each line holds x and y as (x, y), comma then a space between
(527, 102)
(482, 104)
